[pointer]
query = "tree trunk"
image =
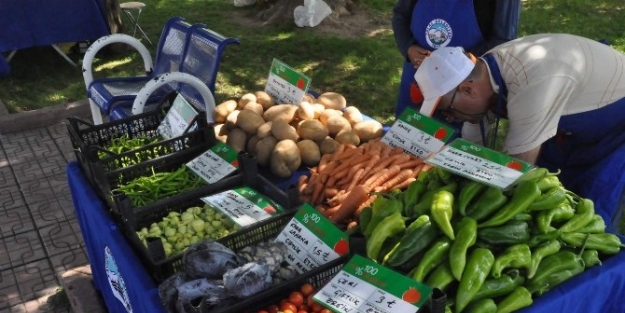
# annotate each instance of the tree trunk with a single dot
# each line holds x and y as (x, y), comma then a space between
(114, 19)
(282, 10)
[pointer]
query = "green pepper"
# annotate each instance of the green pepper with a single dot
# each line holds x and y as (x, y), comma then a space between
(440, 277)
(418, 236)
(605, 243)
(555, 269)
(584, 212)
(523, 217)
(591, 258)
(549, 199)
(510, 233)
(479, 264)
(519, 298)
(535, 174)
(482, 306)
(365, 218)
(442, 211)
(491, 200)
(412, 195)
(561, 213)
(469, 191)
(538, 239)
(499, 287)
(390, 226)
(445, 176)
(524, 194)
(467, 234)
(515, 256)
(425, 203)
(596, 226)
(548, 182)
(434, 256)
(382, 207)
(544, 250)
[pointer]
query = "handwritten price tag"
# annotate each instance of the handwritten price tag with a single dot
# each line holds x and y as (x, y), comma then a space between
(177, 119)
(285, 84)
(312, 240)
(417, 134)
(216, 163)
(479, 163)
(364, 286)
(245, 206)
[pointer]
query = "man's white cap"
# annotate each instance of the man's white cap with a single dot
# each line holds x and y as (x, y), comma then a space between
(442, 71)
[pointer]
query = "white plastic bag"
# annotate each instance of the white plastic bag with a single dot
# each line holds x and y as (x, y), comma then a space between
(311, 14)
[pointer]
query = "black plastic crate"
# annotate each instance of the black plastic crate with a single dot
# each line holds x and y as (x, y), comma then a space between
(90, 140)
(153, 256)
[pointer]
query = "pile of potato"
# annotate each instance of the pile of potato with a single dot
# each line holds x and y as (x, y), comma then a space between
(286, 136)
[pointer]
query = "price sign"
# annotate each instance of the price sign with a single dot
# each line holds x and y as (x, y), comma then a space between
(245, 206)
(312, 240)
(481, 164)
(177, 120)
(285, 84)
(364, 286)
(417, 134)
(216, 163)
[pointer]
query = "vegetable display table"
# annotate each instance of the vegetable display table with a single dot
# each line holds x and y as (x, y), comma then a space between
(126, 285)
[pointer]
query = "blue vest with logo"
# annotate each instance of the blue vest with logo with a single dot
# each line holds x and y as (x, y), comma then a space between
(436, 24)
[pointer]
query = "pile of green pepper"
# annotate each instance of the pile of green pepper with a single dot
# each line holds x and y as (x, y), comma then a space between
(125, 143)
(489, 250)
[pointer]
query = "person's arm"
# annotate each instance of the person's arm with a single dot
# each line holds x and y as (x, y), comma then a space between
(503, 27)
(402, 15)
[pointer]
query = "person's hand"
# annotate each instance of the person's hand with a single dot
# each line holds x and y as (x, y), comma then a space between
(416, 55)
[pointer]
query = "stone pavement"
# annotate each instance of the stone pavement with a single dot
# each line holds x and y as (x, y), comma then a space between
(40, 237)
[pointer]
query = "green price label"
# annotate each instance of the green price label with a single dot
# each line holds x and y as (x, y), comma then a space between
(427, 125)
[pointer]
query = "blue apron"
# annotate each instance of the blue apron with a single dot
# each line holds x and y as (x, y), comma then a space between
(436, 24)
(588, 150)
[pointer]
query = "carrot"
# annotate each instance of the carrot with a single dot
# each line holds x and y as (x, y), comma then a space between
(385, 162)
(400, 158)
(353, 161)
(390, 184)
(302, 183)
(367, 172)
(355, 179)
(304, 198)
(330, 192)
(356, 197)
(350, 175)
(387, 175)
(397, 150)
(417, 170)
(365, 204)
(410, 164)
(403, 185)
(352, 224)
(316, 194)
(338, 198)
(325, 159)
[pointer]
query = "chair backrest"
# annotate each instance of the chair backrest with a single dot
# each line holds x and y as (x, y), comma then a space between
(201, 59)
(171, 46)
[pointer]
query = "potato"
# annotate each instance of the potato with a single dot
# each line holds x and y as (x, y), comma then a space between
(318, 109)
(347, 137)
(264, 130)
(327, 113)
(285, 158)
(263, 150)
(328, 145)
(313, 130)
(249, 121)
(336, 124)
(221, 132)
(352, 114)
(309, 152)
(282, 130)
(250, 147)
(254, 107)
(309, 98)
(237, 138)
(332, 100)
(367, 130)
(264, 99)
(285, 112)
(231, 120)
(305, 111)
(222, 110)
(245, 99)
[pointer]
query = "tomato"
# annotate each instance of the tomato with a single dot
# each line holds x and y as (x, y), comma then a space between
(283, 301)
(302, 311)
(288, 306)
(287, 311)
(307, 289)
(296, 298)
(273, 309)
(325, 311)
(304, 307)
(262, 311)
(316, 307)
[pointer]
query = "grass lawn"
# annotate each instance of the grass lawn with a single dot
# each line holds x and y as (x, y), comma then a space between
(364, 68)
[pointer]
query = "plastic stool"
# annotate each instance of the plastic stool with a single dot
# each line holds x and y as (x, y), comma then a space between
(127, 7)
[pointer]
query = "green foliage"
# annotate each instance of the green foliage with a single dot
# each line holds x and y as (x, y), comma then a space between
(366, 70)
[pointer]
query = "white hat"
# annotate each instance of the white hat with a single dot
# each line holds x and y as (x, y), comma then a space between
(442, 71)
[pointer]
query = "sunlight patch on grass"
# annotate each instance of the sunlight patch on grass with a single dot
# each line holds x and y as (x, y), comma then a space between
(56, 97)
(113, 64)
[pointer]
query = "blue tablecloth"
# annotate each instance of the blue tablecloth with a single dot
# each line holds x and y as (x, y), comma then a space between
(597, 290)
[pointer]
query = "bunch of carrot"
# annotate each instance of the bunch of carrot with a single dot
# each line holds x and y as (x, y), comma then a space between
(347, 181)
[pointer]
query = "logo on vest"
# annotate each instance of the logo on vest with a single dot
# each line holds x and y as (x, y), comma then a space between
(438, 33)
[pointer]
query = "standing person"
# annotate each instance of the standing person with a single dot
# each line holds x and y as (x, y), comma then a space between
(420, 26)
(564, 97)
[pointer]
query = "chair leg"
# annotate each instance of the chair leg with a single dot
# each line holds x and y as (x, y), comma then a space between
(135, 22)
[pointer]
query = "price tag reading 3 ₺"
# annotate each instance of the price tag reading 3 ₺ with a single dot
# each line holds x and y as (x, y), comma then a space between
(417, 134)
(286, 85)
(177, 119)
(216, 163)
(364, 286)
(312, 240)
